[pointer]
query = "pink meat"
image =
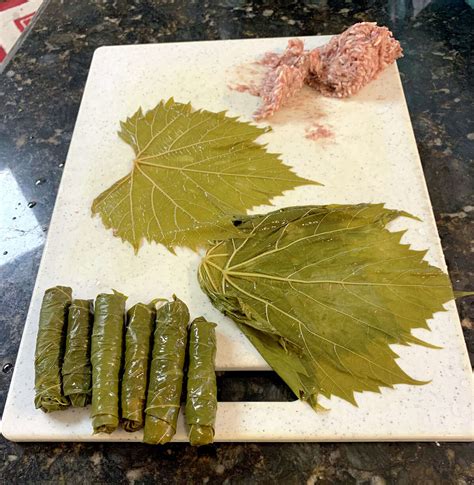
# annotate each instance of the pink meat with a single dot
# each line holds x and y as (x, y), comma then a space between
(352, 60)
(290, 57)
(285, 77)
(279, 86)
(340, 68)
(271, 59)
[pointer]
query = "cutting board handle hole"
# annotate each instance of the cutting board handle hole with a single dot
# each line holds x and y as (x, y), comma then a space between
(252, 386)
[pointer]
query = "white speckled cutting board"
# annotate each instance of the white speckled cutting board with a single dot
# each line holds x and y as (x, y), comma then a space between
(371, 157)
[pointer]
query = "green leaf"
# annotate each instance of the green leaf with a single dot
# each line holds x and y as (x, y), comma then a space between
(139, 330)
(201, 386)
(52, 326)
(322, 292)
(106, 360)
(76, 370)
(192, 170)
(166, 371)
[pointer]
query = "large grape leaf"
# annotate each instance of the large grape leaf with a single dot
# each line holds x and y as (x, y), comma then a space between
(192, 170)
(322, 292)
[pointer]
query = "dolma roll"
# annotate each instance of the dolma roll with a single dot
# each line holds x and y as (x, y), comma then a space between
(201, 401)
(166, 372)
(77, 370)
(50, 349)
(106, 356)
(140, 324)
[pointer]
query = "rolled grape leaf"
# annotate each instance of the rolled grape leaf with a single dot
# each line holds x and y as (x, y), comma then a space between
(192, 170)
(77, 369)
(166, 372)
(106, 356)
(322, 292)
(201, 402)
(140, 324)
(50, 349)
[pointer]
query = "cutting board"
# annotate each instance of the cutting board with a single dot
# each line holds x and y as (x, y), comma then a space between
(370, 157)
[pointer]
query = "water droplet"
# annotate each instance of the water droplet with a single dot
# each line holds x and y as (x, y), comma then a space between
(61, 165)
(40, 181)
(7, 368)
(31, 204)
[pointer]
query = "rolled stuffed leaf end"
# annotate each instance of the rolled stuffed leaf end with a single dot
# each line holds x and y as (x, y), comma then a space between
(157, 431)
(201, 435)
(132, 425)
(48, 404)
(104, 424)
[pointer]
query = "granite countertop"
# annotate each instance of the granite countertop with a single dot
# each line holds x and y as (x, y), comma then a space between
(41, 91)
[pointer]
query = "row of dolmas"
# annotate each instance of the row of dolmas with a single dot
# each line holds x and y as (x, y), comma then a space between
(129, 365)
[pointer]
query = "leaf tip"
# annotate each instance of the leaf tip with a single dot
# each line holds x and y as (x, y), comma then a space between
(462, 294)
(409, 216)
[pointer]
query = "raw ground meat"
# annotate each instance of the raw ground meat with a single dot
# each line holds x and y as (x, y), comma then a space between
(352, 60)
(340, 68)
(290, 57)
(279, 86)
(285, 77)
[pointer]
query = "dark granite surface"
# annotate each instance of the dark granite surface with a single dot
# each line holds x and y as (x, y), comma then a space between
(40, 92)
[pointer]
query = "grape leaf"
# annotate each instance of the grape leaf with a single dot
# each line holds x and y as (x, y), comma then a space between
(322, 291)
(192, 170)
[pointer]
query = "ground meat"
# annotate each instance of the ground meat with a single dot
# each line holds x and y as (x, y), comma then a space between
(290, 57)
(279, 86)
(353, 59)
(340, 68)
(284, 79)
(271, 59)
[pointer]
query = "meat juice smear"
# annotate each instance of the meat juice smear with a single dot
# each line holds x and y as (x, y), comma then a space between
(340, 68)
(318, 131)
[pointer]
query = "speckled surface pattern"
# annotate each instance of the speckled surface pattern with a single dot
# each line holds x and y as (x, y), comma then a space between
(374, 122)
(41, 91)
